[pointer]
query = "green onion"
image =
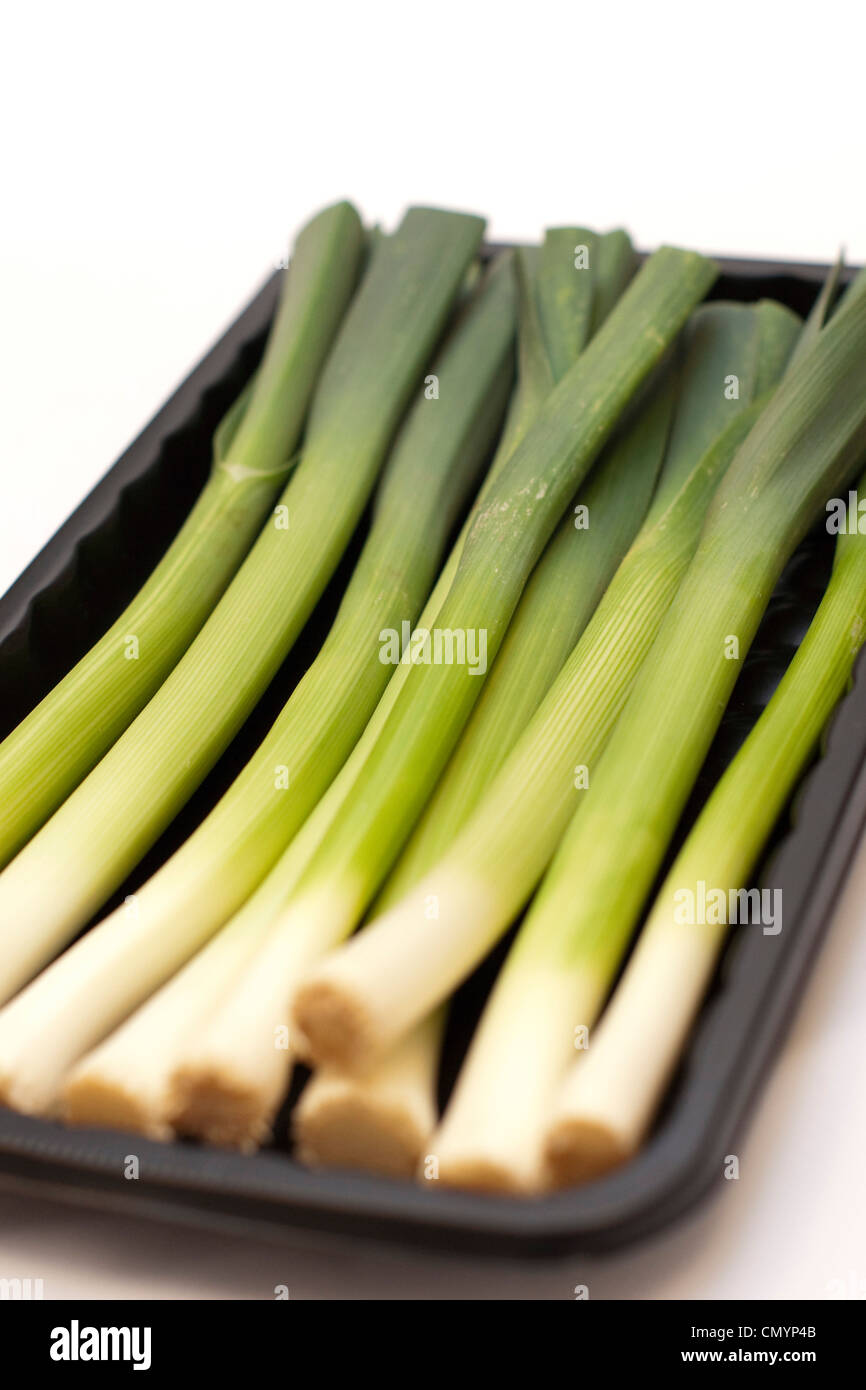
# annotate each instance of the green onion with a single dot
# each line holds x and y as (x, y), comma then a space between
(433, 465)
(97, 836)
(58, 743)
(360, 1000)
(611, 1095)
(803, 447)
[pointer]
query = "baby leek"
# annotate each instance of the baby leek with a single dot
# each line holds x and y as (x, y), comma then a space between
(566, 294)
(610, 1096)
(381, 1120)
(231, 1114)
(198, 1024)
(339, 1114)
(79, 856)
(58, 743)
(802, 448)
(436, 458)
(434, 701)
(615, 265)
(362, 998)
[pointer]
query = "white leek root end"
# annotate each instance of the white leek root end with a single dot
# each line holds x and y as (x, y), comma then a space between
(577, 1151)
(380, 1122)
(98, 1100)
(339, 1126)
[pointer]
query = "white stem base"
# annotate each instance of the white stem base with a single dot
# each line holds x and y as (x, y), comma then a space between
(90, 989)
(354, 1006)
(126, 1082)
(611, 1094)
(378, 1123)
(491, 1136)
(229, 1083)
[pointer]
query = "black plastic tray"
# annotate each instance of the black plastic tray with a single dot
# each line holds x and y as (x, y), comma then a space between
(82, 580)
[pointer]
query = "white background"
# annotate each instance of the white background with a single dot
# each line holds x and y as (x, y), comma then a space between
(156, 161)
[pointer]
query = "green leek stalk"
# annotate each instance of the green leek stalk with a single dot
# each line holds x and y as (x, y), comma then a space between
(98, 835)
(567, 951)
(380, 1121)
(611, 1095)
(133, 1060)
(210, 1100)
(509, 531)
(338, 1116)
(516, 516)
(437, 455)
(67, 733)
(563, 592)
(615, 265)
(198, 1024)
(566, 294)
(361, 999)
(548, 623)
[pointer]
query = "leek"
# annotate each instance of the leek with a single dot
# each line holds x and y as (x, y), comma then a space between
(557, 974)
(509, 531)
(339, 1115)
(434, 700)
(58, 743)
(191, 1049)
(229, 1082)
(378, 1122)
(433, 465)
(513, 523)
(381, 1120)
(97, 836)
(566, 294)
(610, 1096)
(615, 265)
(362, 998)
(562, 593)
